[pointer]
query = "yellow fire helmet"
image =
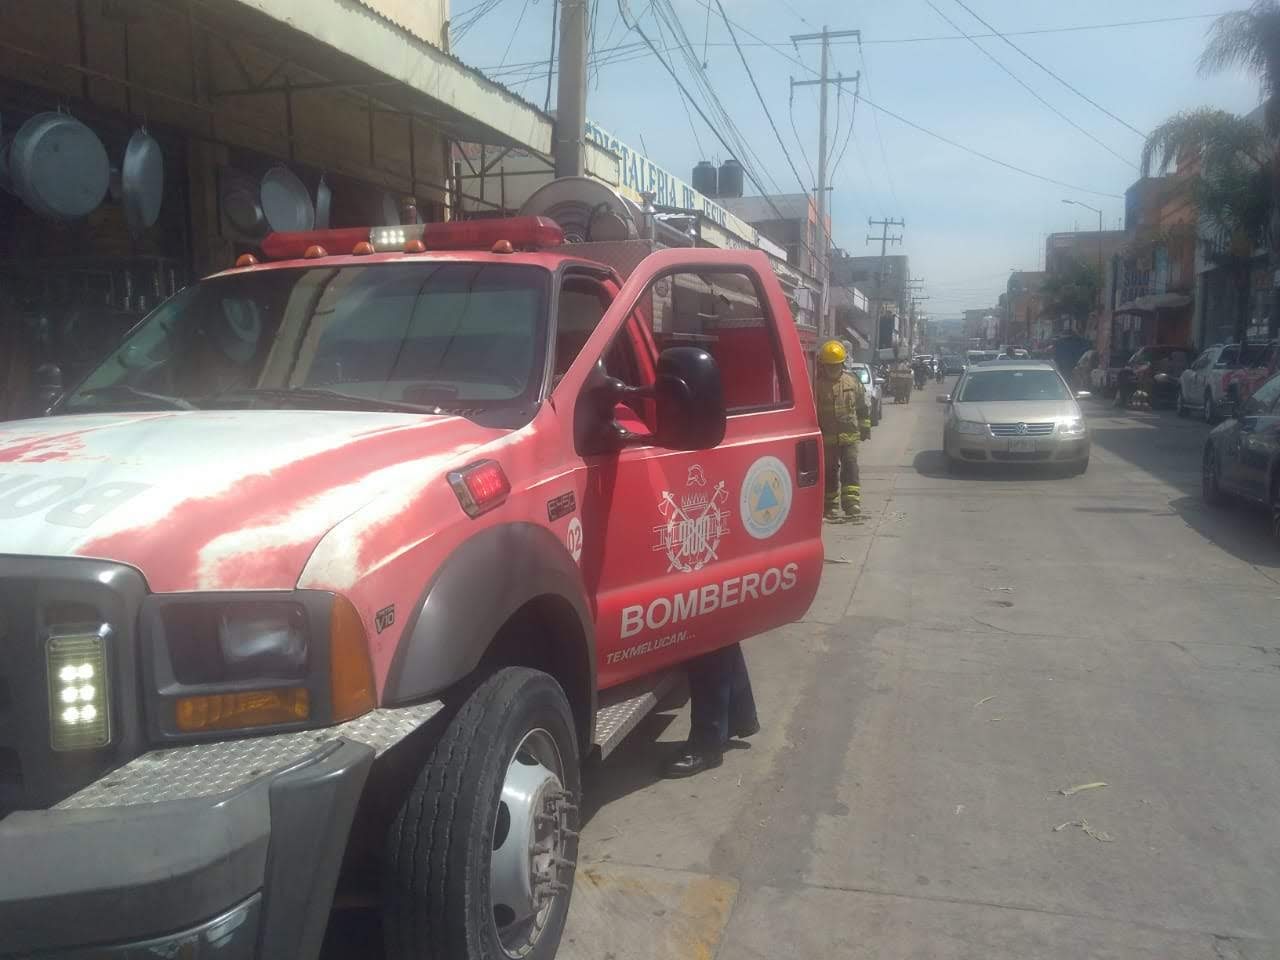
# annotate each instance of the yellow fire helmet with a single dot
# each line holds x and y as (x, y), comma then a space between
(832, 352)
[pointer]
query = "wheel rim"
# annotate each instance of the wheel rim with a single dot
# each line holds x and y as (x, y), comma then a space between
(529, 838)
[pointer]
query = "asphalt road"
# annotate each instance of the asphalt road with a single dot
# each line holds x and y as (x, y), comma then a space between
(978, 645)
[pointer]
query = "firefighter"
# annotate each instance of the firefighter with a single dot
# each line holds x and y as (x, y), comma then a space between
(842, 407)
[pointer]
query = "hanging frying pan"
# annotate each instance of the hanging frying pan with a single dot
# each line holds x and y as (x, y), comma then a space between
(285, 201)
(59, 166)
(324, 200)
(238, 200)
(142, 181)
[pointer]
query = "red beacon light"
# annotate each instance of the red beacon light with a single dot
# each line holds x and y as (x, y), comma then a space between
(480, 486)
(295, 245)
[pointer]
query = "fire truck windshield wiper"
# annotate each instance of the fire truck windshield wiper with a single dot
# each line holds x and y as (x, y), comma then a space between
(319, 398)
(118, 389)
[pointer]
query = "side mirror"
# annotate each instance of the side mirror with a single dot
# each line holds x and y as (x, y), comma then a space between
(687, 395)
(47, 386)
(880, 381)
(944, 398)
(689, 399)
(1083, 394)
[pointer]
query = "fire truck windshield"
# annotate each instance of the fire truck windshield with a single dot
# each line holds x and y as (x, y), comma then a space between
(421, 335)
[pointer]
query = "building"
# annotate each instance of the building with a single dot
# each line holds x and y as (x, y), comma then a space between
(888, 291)
(1024, 307)
(359, 95)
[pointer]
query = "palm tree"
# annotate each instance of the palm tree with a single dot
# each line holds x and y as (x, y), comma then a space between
(1250, 39)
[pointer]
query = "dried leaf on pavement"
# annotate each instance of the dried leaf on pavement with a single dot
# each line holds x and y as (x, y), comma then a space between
(1081, 787)
(984, 700)
(1099, 835)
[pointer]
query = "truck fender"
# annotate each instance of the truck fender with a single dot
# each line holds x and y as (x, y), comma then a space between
(476, 590)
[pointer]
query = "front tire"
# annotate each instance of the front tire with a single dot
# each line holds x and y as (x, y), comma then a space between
(480, 858)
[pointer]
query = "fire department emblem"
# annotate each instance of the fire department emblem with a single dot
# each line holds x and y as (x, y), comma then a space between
(695, 523)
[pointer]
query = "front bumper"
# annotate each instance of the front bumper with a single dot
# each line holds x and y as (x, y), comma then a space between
(236, 845)
(986, 448)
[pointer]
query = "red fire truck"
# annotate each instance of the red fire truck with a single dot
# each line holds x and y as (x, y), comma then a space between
(346, 559)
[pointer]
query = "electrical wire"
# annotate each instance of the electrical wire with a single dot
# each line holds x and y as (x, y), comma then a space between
(1031, 90)
(514, 32)
(791, 114)
(1082, 96)
(718, 135)
(763, 106)
(875, 121)
(551, 58)
(853, 112)
(986, 156)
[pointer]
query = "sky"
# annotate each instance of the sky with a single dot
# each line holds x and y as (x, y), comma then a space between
(968, 220)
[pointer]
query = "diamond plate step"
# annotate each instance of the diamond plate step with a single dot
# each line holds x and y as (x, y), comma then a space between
(623, 707)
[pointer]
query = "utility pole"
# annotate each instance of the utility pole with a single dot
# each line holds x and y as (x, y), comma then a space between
(913, 286)
(885, 240)
(914, 301)
(571, 93)
(823, 81)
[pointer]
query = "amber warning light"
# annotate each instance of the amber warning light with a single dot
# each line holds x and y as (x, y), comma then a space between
(480, 487)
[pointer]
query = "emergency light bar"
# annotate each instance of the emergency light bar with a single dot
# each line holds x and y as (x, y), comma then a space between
(523, 233)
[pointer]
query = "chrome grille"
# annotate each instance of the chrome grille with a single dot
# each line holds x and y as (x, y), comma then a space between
(1022, 429)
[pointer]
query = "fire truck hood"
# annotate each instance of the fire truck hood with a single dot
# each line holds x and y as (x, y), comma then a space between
(207, 500)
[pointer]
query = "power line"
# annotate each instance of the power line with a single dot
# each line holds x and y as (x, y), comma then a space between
(1082, 96)
(986, 156)
(763, 106)
(791, 114)
(853, 113)
(551, 57)
(756, 41)
(718, 135)
(515, 31)
(875, 121)
(1026, 86)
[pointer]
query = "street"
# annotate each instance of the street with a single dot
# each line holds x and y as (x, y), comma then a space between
(979, 645)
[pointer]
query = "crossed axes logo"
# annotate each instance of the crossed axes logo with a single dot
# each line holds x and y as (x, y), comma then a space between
(694, 527)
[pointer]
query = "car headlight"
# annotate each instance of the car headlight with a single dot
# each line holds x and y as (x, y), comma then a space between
(1074, 427)
(971, 426)
(254, 662)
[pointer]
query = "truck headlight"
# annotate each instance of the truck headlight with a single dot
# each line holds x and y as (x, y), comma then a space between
(1074, 427)
(79, 709)
(249, 662)
(970, 426)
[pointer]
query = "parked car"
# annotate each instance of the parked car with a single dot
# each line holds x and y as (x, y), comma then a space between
(1259, 362)
(1153, 374)
(1242, 455)
(1210, 385)
(1014, 413)
(874, 385)
(1081, 375)
(952, 363)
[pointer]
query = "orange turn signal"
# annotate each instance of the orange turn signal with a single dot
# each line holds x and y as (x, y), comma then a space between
(502, 246)
(351, 688)
(246, 260)
(362, 249)
(236, 711)
(315, 252)
(415, 246)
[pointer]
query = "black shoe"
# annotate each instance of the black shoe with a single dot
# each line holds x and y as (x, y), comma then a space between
(745, 729)
(690, 761)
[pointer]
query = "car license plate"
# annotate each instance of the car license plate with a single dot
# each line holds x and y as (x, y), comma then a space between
(1022, 445)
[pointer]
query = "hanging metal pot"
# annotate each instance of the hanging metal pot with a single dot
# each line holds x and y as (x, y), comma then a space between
(324, 200)
(59, 166)
(286, 201)
(142, 181)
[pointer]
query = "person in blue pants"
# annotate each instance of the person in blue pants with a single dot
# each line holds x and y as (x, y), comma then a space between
(721, 706)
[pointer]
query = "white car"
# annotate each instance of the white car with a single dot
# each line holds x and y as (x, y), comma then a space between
(874, 385)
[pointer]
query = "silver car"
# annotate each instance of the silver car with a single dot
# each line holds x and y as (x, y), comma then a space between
(1014, 412)
(874, 385)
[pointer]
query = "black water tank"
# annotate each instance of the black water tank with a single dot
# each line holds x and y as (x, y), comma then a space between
(704, 178)
(730, 178)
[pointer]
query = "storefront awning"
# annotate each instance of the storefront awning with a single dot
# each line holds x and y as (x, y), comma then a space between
(1154, 302)
(858, 339)
(353, 46)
